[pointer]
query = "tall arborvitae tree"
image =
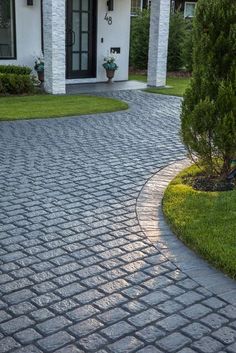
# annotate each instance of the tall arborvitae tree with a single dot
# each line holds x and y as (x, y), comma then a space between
(209, 108)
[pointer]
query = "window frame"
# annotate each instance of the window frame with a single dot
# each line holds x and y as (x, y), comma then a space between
(185, 8)
(14, 34)
(133, 14)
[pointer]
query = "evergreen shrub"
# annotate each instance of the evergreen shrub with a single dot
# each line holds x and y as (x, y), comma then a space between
(208, 119)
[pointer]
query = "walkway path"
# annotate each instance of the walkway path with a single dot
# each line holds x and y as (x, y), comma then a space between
(77, 272)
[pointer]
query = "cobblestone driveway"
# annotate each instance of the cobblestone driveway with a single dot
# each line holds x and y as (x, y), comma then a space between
(77, 274)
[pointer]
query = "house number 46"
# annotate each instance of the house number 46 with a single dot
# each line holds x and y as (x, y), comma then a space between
(108, 19)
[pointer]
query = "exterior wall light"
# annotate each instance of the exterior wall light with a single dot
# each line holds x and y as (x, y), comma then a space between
(30, 2)
(110, 5)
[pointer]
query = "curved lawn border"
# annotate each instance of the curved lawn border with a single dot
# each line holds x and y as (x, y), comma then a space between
(153, 224)
(49, 106)
(204, 221)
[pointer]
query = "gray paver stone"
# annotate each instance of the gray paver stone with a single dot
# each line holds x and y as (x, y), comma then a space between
(7, 344)
(127, 344)
(145, 317)
(150, 333)
(207, 345)
(173, 342)
(85, 327)
(118, 330)
(225, 334)
(55, 341)
(27, 336)
(92, 342)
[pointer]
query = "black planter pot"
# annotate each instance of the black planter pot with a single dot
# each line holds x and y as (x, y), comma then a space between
(110, 75)
(41, 76)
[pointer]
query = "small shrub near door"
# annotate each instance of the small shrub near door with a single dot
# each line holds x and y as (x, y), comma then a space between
(209, 108)
(14, 69)
(15, 80)
(15, 84)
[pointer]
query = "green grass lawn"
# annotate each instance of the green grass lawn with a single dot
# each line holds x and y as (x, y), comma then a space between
(205, 221)
(48, 106)
(177, 85)
(138, 77)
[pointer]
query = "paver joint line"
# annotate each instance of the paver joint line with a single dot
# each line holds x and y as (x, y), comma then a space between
(78, 273)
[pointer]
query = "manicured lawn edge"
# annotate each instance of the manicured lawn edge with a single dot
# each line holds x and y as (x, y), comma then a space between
(48, 106)
(204, 221)
(166, 91)
(176, 85)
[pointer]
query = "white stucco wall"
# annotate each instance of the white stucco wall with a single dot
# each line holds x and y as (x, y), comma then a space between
(28, 33)
(115, 35)
(28, 36)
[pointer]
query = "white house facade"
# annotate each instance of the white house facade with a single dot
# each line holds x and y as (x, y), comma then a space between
(75, 36)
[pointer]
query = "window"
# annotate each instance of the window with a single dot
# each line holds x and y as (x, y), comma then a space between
(7, 29)
(189, 9)
(136, 5)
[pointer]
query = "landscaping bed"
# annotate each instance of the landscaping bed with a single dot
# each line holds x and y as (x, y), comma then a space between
(205, 221)
(48, 106)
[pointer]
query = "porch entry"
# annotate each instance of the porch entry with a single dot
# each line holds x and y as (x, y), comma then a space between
(81, 39)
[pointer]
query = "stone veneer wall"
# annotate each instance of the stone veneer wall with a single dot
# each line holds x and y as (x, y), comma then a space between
(54, 45)
(158, 43)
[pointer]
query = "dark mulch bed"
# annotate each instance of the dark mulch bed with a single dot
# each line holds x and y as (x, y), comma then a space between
(203, 183)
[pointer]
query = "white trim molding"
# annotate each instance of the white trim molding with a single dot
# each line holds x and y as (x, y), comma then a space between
(185, 8)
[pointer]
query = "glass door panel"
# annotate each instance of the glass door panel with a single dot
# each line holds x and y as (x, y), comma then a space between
(81, 38)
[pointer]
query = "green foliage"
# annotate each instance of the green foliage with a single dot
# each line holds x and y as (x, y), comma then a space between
(180, 41)
(209, 107)
(140, 40)
(14, 69)
(187, 46)
(15, 84)
(176, 38)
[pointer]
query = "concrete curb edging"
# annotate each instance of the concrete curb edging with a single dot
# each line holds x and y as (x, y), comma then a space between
(153, 224)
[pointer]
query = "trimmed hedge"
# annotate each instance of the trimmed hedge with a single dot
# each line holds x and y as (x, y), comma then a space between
(16, 84)
(14, 69)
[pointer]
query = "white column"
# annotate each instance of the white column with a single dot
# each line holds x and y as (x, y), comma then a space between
(158, 42)
(54, 45)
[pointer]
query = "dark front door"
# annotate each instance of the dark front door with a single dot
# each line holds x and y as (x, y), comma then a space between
(81, 38)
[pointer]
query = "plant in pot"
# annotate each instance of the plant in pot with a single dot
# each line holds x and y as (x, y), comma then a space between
(39, 67)
(110, 66)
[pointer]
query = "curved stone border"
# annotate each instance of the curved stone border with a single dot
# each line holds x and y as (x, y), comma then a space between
(152, 222)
